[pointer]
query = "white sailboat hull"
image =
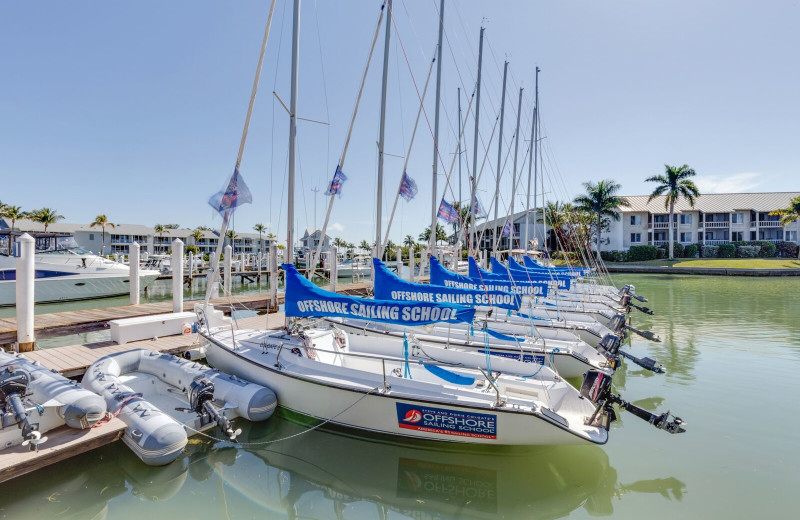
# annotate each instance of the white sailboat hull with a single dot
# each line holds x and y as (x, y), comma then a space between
(76, 287)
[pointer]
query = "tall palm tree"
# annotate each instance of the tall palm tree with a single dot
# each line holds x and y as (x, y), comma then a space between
(12, 212)
(46, 216)
(789, 215)
(674, 184)
(159, 230)
(601, 201)
(338, 242)
(232, 236)
(197, 234)
(441, 234)
(102, 222)
(409, 241)
(365, 245)
(260, 228)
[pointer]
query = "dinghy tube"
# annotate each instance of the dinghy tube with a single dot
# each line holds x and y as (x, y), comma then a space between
(155, 436)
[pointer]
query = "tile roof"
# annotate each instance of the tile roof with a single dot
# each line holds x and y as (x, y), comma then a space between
(715, 202)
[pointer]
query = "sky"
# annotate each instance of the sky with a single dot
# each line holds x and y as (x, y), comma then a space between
(136, 109)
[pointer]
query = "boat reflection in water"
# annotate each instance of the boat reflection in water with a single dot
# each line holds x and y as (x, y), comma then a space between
(328, 474)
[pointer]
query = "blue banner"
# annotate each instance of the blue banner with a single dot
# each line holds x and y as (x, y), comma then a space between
(408, 188)
(530, 263)
(447, 212)
(516, 267)
(562, 281)
(443, 277)
(335, 187)
(390, 287)
(305, 300)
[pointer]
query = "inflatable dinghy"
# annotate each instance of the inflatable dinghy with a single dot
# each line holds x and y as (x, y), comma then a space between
(160, 397)
(34, 400)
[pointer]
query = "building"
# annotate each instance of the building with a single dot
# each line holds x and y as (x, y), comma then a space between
(488, 230)
(119, 238)
(716, 218)
(310, 240)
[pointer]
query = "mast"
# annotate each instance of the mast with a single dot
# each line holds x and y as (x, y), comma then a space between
(539, 156)
(499, 155)
(434, 201)
(474, 179)
(531, 162)
(379, 195)
(458, 151)
(293, 133)
(514, 173)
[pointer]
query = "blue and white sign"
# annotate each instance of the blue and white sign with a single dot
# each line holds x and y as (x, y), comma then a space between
(390, 287)
(579, 271)
(562, 281)
(446, 421)
(443, 277)
(305, 300)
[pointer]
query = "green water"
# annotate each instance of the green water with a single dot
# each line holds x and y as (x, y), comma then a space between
(732, 351)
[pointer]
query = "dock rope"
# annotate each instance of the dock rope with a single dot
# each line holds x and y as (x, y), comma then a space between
(246, 444)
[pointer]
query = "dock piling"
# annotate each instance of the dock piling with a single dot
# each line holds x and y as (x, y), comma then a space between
(177, 275)
(334, 272)
(133, 265)
(411, 264)
(273, 275)
(399, 262)
(25, 295)
(226, 287)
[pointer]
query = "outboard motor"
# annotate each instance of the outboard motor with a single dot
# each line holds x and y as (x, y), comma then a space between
(13, 388)
(201, 401)
(617, 323)
(609, 347)
(596, 387)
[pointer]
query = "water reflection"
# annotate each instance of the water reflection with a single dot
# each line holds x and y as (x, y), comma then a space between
(331, 474)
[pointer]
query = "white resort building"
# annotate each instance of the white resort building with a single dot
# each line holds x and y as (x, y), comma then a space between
(119, 238)
(716, 218)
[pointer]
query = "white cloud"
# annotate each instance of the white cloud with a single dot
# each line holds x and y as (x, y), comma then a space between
(736, 183)
(336, 227)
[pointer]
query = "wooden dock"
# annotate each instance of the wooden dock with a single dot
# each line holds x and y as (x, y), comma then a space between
(73, 360)
(73, 322)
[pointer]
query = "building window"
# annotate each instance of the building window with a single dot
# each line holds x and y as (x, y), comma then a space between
(686, 219)
(636, 220)
(737, 236)
(752, 235)
(737, 218)
(686, 237)
(791, 236)
(91, 236)
(636, 238)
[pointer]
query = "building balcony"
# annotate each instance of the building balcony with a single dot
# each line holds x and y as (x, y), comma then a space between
(659, 243)
(715, 242)
(717, 224)
(660, 225)
(770, 223)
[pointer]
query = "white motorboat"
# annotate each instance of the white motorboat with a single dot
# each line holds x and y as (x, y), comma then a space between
(357, 266)
(68, 273)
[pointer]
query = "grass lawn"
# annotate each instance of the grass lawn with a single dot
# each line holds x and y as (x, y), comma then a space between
(728, 263)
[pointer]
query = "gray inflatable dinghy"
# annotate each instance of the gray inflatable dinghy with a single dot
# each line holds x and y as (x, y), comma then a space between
(162, 397)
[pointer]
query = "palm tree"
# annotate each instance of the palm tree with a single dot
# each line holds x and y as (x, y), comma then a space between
(12, 212)
(338, 242)
(390, 246)
(159, 230)
(441, 235)
(365, 245)
(409, 241)
(102, 222)
(674, 184)
(260, 228)
(601, 201)
(46, 216)
(789, 215)
(197, 234)
(232, 236)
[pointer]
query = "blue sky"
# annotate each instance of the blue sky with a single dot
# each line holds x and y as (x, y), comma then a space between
(135, 109)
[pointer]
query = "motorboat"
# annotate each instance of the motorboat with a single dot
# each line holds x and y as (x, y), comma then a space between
(68, 272)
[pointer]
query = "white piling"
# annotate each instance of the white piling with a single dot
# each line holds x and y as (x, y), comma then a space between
(273, 275)
(25, 295)
(227, 273)
(334, 267)
(410, 264)
(133, 266)
(177, 275)
(191, 265)
(399, 262)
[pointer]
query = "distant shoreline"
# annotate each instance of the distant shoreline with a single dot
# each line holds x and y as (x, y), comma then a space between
(707, 271)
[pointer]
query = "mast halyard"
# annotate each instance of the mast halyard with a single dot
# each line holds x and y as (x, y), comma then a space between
(382, 134)
(531, 162)
(434, 198)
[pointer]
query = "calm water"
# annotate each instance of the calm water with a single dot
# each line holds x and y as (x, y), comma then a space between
(732, 349)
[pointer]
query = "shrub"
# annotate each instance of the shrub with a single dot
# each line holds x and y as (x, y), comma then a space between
(727, 251)
(690, 251)
(787, 249)
(642, 253)
(710, 251)
(614, 256)
(767, 248)
(747, 251)
(662, 253)
(677, 250)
